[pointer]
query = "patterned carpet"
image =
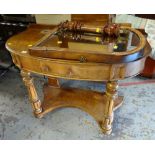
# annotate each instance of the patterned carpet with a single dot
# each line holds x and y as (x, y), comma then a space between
(134, 120)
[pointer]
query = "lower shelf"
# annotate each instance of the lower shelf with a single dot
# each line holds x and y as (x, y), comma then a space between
(86, 100)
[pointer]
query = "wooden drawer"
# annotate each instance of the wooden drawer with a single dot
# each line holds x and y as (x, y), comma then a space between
(79, 71)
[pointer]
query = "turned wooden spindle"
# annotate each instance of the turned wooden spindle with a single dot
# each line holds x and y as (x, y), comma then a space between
(109, 29)
(33, 96)
(111, 95)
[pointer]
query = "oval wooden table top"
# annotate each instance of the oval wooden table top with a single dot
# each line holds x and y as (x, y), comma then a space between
(35, 33)
(98, 66)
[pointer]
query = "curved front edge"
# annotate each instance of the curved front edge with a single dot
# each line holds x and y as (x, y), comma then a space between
(79, 71)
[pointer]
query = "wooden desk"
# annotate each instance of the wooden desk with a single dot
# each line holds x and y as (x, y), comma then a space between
(109, 67)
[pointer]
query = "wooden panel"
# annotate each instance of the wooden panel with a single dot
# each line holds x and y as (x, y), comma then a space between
(91, 18)
(76, 70)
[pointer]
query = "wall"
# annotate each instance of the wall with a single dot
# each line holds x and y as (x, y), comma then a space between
(51, 18)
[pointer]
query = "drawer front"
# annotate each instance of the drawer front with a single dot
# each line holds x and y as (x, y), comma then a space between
(80, 71)
(75, 70)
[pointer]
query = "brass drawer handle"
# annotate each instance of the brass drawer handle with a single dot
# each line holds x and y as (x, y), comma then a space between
(83, 59)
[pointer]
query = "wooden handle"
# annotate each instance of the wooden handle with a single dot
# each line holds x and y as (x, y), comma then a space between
(110, 29)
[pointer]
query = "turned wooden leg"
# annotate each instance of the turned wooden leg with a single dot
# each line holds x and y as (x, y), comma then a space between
(111, 95)
(36, 104)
